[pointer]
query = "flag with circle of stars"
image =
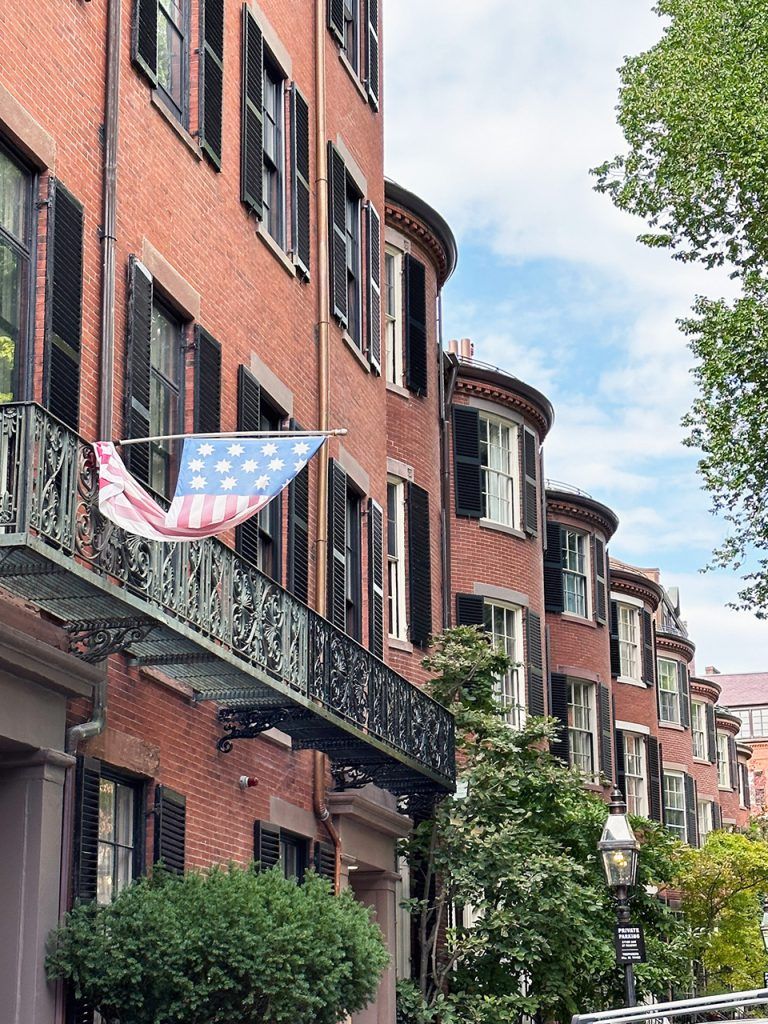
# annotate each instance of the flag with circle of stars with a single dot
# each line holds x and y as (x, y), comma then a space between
(222, 482)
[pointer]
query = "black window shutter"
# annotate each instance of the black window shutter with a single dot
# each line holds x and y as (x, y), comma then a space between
(553, 569)
(63, 327)
(298, 533)
(654, 778)
(86, 833)
(621, 776)
(300, 187)
(470, 610)
(745, 785)
(717, 816)
(691, 817)
(337, 545)
(606, 732)
(170, 828)
(137, 366)
(266, 845)
(601, 600)
(535, 663)
(733, 763)
(649, 659)
(376, 578)
(711, 735)
(207, 411)
(211, 78)
(558, 708)
(419, 565)
(530, 475)
(372, 52)
(685, 698)
(248, 418)
(325, 861)
(144, 37)
(615, 646)
(252, 127)
(336, 19)
(467, 467)
(337, 228)
(415, 325)
(374, 288)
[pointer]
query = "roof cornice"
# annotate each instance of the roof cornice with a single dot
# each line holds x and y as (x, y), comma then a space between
(504, 390)
(675, 643)
(581, 506)
(424, 224)
(636, 585)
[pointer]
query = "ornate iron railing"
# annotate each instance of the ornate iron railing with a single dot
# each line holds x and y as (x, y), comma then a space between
(48, 491)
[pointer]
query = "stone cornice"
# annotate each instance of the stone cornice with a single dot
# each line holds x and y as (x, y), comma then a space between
(636, 585)
(743, 750)
(587, 510)
(675, 644)
(727, 720)
(506, 397)
(705, 688)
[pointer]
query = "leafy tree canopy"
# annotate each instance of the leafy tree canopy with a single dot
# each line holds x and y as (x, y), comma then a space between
(694, 115)
(226, 946)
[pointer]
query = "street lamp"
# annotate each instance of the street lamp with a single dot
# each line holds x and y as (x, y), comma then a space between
(764, 924)
(619, 849)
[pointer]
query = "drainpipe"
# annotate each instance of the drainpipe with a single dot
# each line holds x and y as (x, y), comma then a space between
(109, 225)
(323, 387)
(446, 397)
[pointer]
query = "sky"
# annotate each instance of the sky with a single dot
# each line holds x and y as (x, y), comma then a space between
(495, 112)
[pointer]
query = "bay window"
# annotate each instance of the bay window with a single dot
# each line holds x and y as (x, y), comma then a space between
(503, 625)
(575, 588)
(629, 641)
(636, 779)
(582, 731)
(699, 729)
(669, 693)
(723, 761)
(674, 804)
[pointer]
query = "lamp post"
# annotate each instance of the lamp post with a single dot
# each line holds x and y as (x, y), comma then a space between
(619, 849)
(764, 924)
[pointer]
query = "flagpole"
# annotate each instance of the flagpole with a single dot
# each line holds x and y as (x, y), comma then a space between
(340, 432)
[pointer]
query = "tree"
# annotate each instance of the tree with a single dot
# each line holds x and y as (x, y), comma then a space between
(722, 885)
(693, 112)
(519, 852)
(225, 946)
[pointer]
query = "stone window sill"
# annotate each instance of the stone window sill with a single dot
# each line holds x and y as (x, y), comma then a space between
(511, 531)
(355, 350)
(353, 75)
(631, 682)
(396, 644)
(571, 617)
(274, 247)
(178, 128)
(397, 389)
(671, 725)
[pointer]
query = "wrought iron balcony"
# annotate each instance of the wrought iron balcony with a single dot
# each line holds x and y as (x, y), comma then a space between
(207, 617)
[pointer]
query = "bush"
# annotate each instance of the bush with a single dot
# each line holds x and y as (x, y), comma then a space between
(225, 946)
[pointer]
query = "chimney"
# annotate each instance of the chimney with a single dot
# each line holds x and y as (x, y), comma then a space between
(453, 346)
(467, 349)
(710, 670)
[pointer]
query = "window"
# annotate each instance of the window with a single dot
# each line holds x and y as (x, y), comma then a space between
(498, 456)
(743, 785)
(396, 559)
(723, 762)
(674, 804)
(172, 47)
(393, 313)
(581, 727)
(273, 150)
(669, 694)
(270, 519)
(352, 32)
(636, 783)
(118, 856)
(293, 855)
(353, 585)
(15, 237)
(704, 816)
(354, 272)
(746, 726)
(164, 402)
(759, 722)
(699, 729)
(629, 641)
(575, 572)
(503, 624)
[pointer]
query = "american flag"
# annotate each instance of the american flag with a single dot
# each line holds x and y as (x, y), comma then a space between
(222, 482)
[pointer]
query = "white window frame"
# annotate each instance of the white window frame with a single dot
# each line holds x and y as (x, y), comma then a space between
(759, 714)
(674, 692)
(396, 567)
(393, 320)
(743, 775)
(705, 819)
(699, 729)
(636, 758)
(510, 688)
(678, 829)
(582, 722)
(506, 479)
(723, 763)
(630, 653)
(585, 573)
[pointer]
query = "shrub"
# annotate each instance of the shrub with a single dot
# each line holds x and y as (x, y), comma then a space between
(224, 946)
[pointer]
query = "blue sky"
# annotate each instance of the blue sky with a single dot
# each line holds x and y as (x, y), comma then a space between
(495, 111)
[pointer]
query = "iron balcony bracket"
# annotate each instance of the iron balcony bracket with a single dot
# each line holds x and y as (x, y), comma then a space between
(93, 640)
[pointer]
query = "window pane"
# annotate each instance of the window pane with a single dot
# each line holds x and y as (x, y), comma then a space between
(170, 51)
(105, 886)
(106, 809)
(11, 301)
(124, 815)
(14, 184)
(124, 867)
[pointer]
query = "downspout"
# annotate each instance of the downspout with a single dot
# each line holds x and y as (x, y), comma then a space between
(323, 370)
(446, 397)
